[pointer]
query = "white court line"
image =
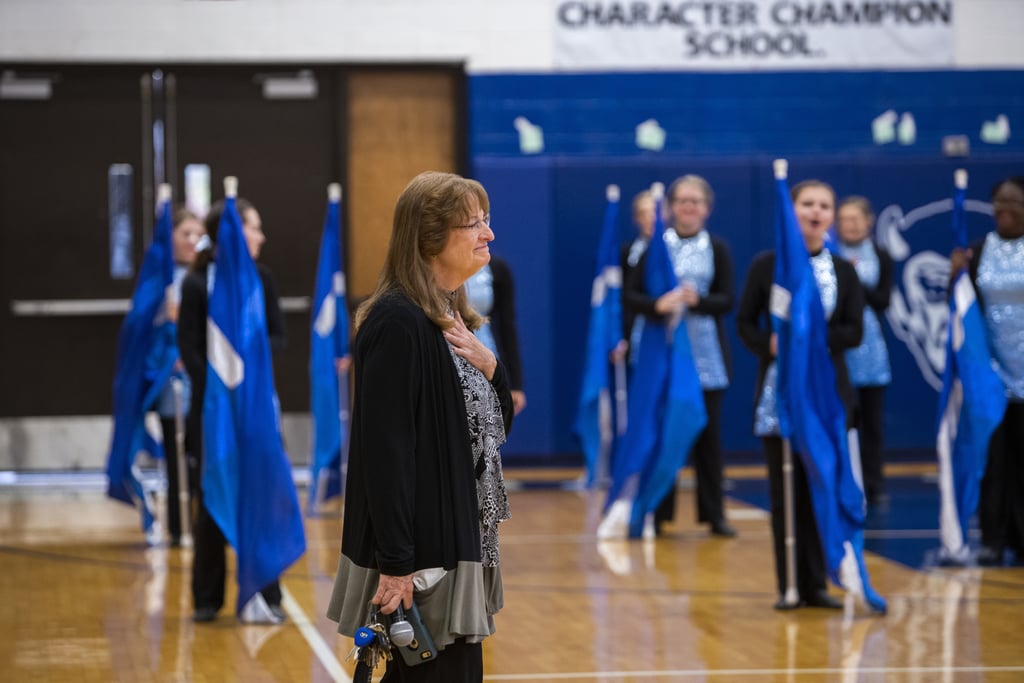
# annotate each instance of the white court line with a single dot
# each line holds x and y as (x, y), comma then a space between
(703, 673)
(316, 642)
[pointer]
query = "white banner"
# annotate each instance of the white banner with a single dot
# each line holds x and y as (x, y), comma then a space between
(754, 34)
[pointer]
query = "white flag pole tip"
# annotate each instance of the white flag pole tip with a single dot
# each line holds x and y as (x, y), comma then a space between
(960, 179)
(163, 193)
(334, 192)
(658, 190)
(612, 193)
(231, 186)
(781, 167)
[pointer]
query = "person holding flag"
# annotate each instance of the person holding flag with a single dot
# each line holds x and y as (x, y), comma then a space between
(702, 264)
(801, 310)
(230, 321)
(329, 360)
(666, 406)
(186, 233)
(995, 266)
(630, 255)
(143, 370)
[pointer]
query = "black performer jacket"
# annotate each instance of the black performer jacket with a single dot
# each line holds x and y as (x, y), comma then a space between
(411, 499)
(503, 322)
(717, 303)
(845, 327)
(192, 335)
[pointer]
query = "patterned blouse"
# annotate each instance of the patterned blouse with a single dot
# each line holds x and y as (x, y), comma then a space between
(486, 435)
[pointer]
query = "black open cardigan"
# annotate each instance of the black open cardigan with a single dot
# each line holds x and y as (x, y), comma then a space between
(410, 499)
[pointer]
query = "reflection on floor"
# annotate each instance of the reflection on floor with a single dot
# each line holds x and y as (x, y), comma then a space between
(905, 528)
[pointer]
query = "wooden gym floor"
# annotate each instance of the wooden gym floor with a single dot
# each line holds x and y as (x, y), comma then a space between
(83, 599)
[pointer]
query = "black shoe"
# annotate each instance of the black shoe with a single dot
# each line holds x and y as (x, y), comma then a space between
(204, 615)
(990, 557)
(723, 529)
(823, 600)
(278, 612)
(783, 606)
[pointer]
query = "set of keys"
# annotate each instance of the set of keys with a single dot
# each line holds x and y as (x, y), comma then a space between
(374, 641)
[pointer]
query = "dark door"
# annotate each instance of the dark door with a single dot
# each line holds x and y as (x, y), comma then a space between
(55, 236)
(284, 151)
(62, 305)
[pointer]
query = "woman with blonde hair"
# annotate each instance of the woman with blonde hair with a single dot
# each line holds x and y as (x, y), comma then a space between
(431, 408)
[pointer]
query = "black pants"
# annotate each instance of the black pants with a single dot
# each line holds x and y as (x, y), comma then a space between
(870, 416)
(171, 455)
(209, 565)
(706, 458)
(810, 558)
(1001, 506)
(459, 662)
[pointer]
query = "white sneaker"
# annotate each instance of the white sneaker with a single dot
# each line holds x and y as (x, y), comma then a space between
(616, 522)
(649, 533)
(154, 534)
(257, 611)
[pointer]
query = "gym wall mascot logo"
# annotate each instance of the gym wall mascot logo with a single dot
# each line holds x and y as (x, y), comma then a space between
(919, 309)
(754, 33)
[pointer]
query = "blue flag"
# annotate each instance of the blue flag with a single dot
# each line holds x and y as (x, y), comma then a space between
(328, 342)
(811, 414)
(142, 370)
(604, 332)
(247, 479)
(666, 403)
(971, 405)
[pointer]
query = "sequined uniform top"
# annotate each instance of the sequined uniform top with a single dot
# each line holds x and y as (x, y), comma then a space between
(706, 263)
(869, 362)
(999, 277)
(843, 300)
(694, 264)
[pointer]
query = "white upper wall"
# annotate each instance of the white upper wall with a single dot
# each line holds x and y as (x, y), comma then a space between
(488, 35)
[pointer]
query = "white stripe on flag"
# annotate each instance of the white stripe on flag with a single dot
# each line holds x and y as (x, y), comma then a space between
(223, 358)
(610, 277)
(339, 283)
(780, 302)
(953, 542)
(849, 573)
(327, 316)
(963, 294)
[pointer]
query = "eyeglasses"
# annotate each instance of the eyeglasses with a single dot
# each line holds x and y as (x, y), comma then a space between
(687, 200)
(477, 224)
(1007, 200)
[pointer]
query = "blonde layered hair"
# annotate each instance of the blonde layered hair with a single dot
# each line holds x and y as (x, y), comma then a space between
(427, 211)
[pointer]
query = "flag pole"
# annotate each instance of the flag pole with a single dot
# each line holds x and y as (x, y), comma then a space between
(319, 493)
(619, 365)
(164, 194)
(610, 427)
(334, 195)
(184, 498)
(954, 549)
(791, 597)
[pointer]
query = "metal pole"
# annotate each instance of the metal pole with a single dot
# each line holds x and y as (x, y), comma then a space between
(184, 502)
(621, 397)
(346, 427)
(792, 597)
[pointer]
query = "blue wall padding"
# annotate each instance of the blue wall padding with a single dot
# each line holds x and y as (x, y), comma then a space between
(548, 208)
